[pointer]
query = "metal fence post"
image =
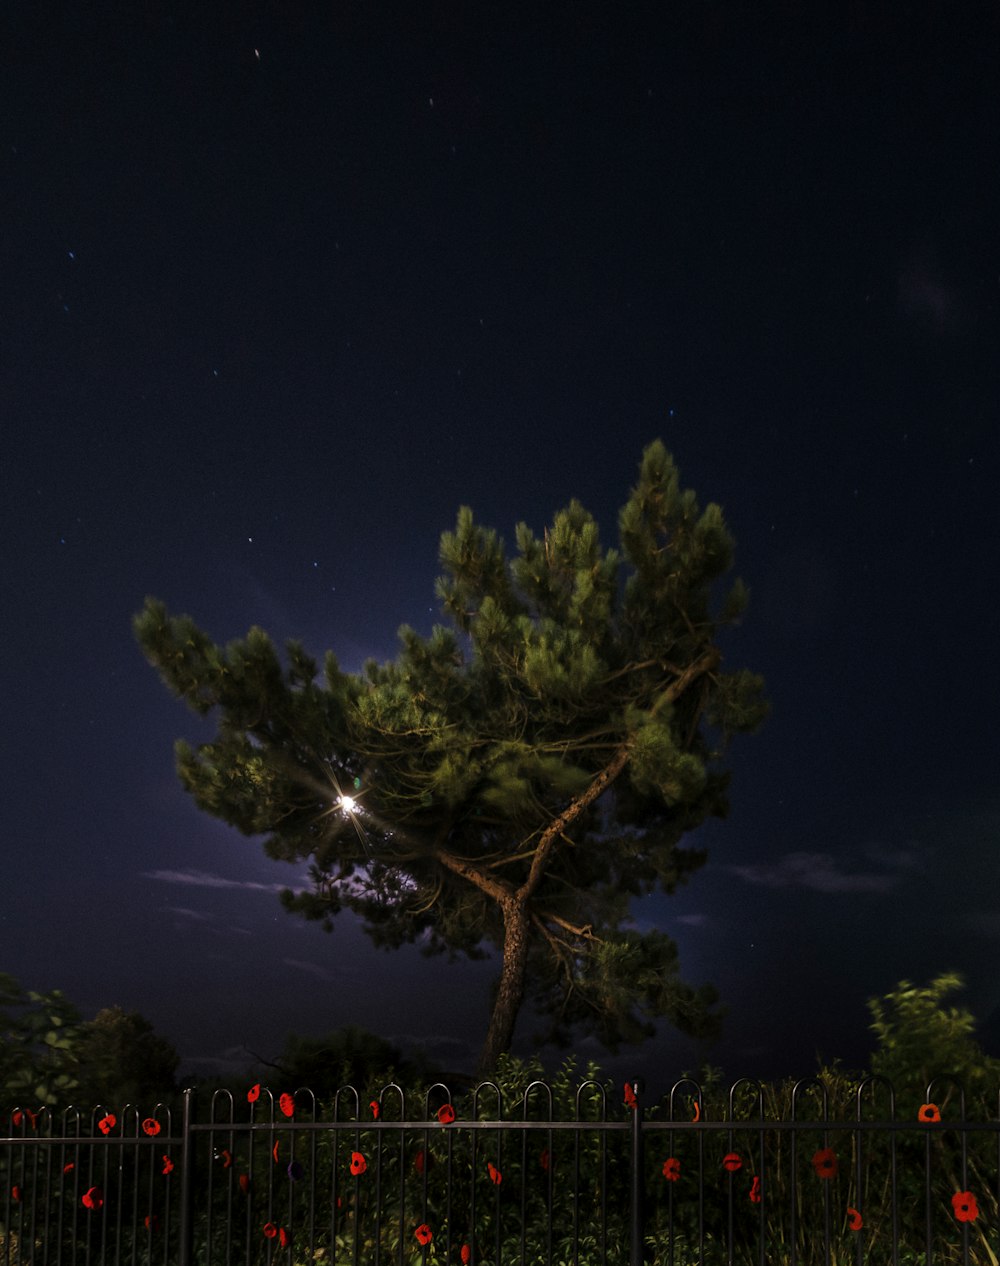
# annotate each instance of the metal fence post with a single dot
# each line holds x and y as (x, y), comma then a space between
(186, 1230)
(638, 1181)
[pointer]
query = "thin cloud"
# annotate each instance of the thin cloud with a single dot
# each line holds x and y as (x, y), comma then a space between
(693, 920)
(909, 857)
(230, 1062)
(202, 879)
(311, 969)
(820, 872)
(207, 919)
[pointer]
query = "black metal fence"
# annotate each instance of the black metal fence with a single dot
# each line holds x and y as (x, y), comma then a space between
(590, 1177)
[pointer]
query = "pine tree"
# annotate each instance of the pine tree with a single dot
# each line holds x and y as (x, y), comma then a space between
(513, 780)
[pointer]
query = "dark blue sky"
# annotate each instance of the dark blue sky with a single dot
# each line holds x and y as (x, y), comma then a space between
(283, 286)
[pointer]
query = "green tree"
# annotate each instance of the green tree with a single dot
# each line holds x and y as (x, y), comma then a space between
(920, 1038)
(350, 1056)
(39, 1035)
(121, 1059)
(516, 778)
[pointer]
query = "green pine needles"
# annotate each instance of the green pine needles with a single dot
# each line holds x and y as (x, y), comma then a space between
(515, 778)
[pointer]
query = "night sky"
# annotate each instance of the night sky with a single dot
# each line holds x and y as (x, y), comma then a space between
(284, 284)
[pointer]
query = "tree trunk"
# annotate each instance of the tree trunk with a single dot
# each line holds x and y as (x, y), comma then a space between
(510, 991)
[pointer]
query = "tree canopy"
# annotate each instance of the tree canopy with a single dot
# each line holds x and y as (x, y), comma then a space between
(122, 1059)
(920, 1038)
(513, 780)
(49, 1055)
(350, 1056)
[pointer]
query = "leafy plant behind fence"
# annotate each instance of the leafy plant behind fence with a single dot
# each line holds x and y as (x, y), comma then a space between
(515, 1170)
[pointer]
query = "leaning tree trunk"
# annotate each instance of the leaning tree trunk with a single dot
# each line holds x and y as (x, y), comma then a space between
(514, 902)
(510, 991)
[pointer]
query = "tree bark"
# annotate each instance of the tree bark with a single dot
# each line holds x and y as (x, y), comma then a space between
(510, 990)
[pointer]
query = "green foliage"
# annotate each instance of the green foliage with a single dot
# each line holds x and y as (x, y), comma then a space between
(920, 1038)
(39, 1035)
(123, 1060)
(503, 1180)
(519, 775)
(350, 1056)
(50, 1056)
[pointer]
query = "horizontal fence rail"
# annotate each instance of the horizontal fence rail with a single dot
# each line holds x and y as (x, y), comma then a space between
(592, 1178)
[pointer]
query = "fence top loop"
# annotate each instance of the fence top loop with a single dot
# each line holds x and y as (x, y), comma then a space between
(438, 1085)
(748, 1083)
(258, 1094)
(487, 1085)
(930, 1093)
(872, 1080)
(546, 1090)
(351, 1090)
(310, 1100)
(600, 1097)
(71, 1116)
(811, 1083)
(698, 1095)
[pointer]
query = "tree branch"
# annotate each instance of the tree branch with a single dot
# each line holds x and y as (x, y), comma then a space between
(500, 891)
(703, 664)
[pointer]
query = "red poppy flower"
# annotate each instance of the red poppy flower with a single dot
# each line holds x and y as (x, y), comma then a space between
(287, 1105)
(630, 1100)
(107, 1123)
(69, 1167)
(671, 1169)
(465, 1254)
(16, 1194)
(964, 1205)
(374, 1107)
(495, 1175)
(284, 1237)
(423, 1234)
(151, 1127)
(253, 1094)
(929, 1113)
(755, 1190)
(446, 1114)
(422, 1161)
(854, 1219)
(270, 1230)
(151, 1222)
(226, 1157)
(17, 1118)
(825, 1162)
(732, 1161)
(244, 1181)
(92, 1198)
(274, 1151)
(168, 1164)
(697, 1111)
(545, 1160)
(358, 1164)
